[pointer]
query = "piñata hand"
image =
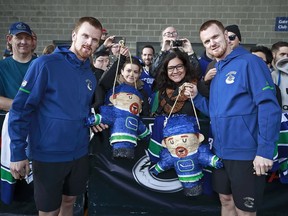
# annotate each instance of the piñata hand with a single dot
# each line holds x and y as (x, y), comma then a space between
(218, 163)
(93, 120)
(154, 171)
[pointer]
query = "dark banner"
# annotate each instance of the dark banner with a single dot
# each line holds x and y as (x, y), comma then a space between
(126, 187)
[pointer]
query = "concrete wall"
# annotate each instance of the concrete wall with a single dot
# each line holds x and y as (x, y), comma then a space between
(143, 20)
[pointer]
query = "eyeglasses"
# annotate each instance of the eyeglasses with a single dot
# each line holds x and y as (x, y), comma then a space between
(232, 37)
(178, 68)
(170, 34)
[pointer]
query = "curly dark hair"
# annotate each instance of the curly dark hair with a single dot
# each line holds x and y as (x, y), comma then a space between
(162, 80)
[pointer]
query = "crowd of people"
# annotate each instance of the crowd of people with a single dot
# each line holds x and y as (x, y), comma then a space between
(44, 99)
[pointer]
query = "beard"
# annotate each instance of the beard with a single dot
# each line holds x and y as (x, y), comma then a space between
(221, 50)
(148, 62)
(82, 52)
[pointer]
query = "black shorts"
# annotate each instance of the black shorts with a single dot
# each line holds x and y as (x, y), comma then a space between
(52, 180)
(237, 178)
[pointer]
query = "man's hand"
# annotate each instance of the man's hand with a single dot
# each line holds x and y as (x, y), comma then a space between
(20, 169)
(166, 45)
(262, 165)
(99, 128)
(124, 51)
(109, 41)
(210, 74)
(187, 47)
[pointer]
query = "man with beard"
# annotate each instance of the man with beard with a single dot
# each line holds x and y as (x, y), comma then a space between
(234, 37)
(279, 74)
(147, 57)
(50, 107)
(245, 121)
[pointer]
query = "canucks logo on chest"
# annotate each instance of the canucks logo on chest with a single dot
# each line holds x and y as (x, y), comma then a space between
(230, 77)
(185, 165)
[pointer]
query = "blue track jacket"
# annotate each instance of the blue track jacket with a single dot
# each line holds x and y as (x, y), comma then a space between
(244, 112)
(50, 107)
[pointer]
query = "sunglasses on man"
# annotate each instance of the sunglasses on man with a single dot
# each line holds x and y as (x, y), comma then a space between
(232, 37)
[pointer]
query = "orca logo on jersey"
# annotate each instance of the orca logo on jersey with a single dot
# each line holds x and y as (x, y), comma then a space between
(24, 83)
(89, 84)
(230, 77)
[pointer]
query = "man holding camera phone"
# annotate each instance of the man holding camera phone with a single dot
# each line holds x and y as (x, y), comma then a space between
(170, 40)
(112, 44)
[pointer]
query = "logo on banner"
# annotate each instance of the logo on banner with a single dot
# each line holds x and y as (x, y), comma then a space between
(143, 177)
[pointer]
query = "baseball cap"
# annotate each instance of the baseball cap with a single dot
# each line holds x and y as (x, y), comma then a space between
(180, 124)
(19, 27)
(100, 53)
(235, 29)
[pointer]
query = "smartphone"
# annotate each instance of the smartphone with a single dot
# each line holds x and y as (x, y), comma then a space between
(118, 38)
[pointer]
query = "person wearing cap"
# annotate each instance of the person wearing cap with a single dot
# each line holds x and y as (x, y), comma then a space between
(12, 71)
(13, 68)
(234, 35)
(99, 64)
(50, 107)
(245, 121)
(101, 60)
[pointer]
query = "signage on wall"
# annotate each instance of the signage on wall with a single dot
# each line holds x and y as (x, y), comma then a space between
(281, 24)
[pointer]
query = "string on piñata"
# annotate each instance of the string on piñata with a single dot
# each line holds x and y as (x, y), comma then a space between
(181, 88)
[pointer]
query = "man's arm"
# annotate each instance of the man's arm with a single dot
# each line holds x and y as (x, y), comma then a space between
(268, 110)
(195, 64)
(200, 102)
(5, 103)
(157, 62)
